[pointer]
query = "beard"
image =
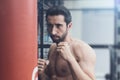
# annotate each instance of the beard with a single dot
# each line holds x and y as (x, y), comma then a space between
(59, 38)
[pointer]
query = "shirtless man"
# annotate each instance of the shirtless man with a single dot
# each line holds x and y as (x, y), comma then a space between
(69, 58)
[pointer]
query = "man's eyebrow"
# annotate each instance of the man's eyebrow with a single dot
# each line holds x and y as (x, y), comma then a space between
(58, 24)
(48, 24)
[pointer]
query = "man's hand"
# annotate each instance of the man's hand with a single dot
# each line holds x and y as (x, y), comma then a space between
(64, 50)
(42, 63)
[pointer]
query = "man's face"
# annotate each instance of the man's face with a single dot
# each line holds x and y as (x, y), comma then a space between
(57, 28)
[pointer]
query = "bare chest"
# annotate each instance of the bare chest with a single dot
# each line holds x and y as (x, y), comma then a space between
(59, 66)
(62, 67)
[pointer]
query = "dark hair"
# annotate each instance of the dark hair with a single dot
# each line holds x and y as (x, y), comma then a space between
(59, 10)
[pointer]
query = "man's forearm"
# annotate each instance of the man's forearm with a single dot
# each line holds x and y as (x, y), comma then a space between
(43, 76)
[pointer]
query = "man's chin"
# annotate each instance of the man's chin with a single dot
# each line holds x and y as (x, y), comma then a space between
(56, 41)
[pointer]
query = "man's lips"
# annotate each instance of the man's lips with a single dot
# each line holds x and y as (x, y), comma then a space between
(55, 37)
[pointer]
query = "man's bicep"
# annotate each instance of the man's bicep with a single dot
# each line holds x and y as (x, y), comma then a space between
(88, 66)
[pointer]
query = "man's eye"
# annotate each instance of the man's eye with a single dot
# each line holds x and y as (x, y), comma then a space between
(58, 25)
(49, 25)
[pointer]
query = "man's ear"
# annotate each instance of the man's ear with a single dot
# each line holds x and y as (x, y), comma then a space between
(69, 25)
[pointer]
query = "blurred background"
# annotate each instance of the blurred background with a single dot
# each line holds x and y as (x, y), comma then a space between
(94, 21)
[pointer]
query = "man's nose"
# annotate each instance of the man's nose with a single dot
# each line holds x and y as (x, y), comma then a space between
(54, 30)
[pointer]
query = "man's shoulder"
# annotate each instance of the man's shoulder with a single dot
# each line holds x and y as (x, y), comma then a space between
(83, 47)
(80, 44)
(53, 45)
(52, 48)
(84, 50)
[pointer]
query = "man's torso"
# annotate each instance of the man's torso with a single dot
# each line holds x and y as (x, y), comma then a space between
(59, 69)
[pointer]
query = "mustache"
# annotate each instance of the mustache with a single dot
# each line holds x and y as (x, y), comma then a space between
(54, 36)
